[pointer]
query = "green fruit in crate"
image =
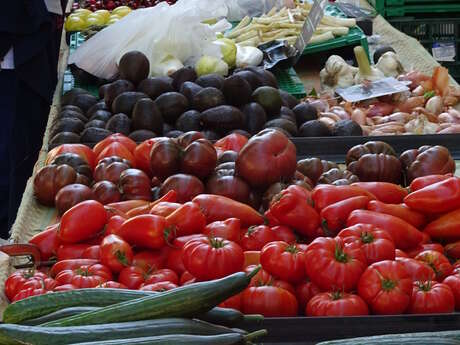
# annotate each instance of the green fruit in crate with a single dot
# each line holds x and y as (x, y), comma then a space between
(121, 11)
(81, 12)
(104, 13)
(95, 20)
(75, 23)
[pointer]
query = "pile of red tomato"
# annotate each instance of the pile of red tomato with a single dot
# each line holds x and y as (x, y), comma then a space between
(332, 250)
(361, 250)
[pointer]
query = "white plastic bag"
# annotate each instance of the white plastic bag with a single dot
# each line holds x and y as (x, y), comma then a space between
(159, 32)
(238, 9)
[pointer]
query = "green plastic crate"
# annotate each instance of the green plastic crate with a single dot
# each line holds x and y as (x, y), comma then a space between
(430, 30)
(69, 82)
(355, 37)
(400, 8)
(289, 81)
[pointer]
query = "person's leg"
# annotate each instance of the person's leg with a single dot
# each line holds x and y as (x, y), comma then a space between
(27, 136)
(7, 113)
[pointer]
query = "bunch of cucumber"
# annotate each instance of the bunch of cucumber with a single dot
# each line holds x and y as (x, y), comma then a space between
(186, 315)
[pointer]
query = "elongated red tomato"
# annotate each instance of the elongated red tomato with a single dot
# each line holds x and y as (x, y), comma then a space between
(429, 297)
(452, 250)
(418, 270)
(386, 286)
(93, 252)
(438, 262)
(188, 219)
(132, 277)
(376, 244)
(212, 258)
(82, 221)
(284, 233)
(325, 195)
(402, 211)
(332, 264)
(422, 182)
(336, 304)
(270, 301)
(147, 231)
(404, 235)
(426, 246)
(284, 261)
(445, 227)
(334, 217)
(71, 251)
(386, 192)
(47, 241)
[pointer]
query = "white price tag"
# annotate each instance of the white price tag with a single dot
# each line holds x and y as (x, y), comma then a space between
(310, 24)
(445, 51)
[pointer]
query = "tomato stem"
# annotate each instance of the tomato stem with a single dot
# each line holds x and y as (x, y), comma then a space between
(121, 257)
(424, 286)
(336, 295)
(367, 237)
(292, 248)
(216, 242)
(388, 284)
(340, 256)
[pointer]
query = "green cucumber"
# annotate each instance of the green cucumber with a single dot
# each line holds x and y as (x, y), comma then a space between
(42, 305)
(184, 339)
(228, 316)
(59, 315)
(65, 335)
(177, 339)
(188, 300)
(434, 338)
(36, 306)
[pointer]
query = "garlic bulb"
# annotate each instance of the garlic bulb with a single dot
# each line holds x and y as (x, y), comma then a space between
(390, 65)
(337, 73)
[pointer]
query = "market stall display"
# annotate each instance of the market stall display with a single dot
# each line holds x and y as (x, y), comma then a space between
(147, 223)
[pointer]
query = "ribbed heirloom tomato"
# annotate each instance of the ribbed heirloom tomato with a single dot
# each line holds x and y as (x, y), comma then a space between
(336, 304)
(270, 301)
(85, 276)
(256, 237)
(429, 297)
(418, 270)
(438, 262)
(212, 258)
(332, 264)
(115, 253)
(284, 261)
(376, 243)
(386, 286)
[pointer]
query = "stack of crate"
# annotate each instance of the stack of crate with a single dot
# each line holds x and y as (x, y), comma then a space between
(435, 23)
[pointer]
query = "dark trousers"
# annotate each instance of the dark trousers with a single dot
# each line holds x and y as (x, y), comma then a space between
(8, 86)
(25, 114)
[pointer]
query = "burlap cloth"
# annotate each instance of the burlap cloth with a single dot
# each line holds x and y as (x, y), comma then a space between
(32, 217)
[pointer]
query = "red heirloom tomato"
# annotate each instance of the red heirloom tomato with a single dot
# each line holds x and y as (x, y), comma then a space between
(438, 262)
(283, 261)
(212, 258)
(147, 231)
(304, 293)
(418, 270)
(270, 301)
(66, 287)
(16, 280)
(452, 250)
(83, 221)
(284, 233)
(233, 142)
(70, 265)
(85, 276)
(336, 304)
(401, 254)
(386, 286)
(258, 236)
(377, 244)
(229, 229)
(431, 297)
(332, 264)
(115, 253)
(162, 275)
(132, 277)
(115, 138)
(158, 287)
(186, 278)
(82, 150)
(454, 282)
(116, 149)
(267, 157)
(114, 224)
(425, 246)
